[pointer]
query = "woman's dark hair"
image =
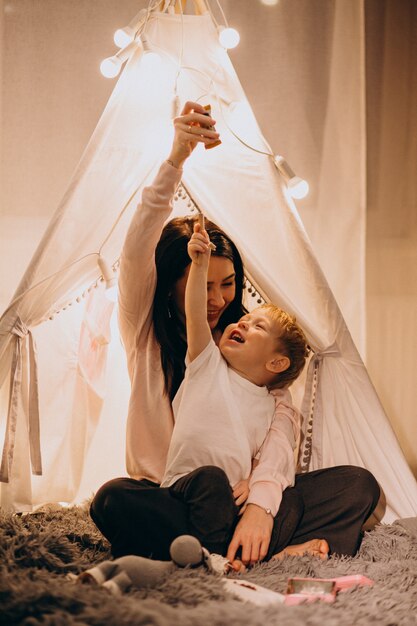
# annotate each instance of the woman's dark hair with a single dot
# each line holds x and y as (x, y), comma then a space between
(171, 259)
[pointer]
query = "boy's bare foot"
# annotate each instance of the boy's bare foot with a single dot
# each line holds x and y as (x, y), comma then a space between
(315, 547)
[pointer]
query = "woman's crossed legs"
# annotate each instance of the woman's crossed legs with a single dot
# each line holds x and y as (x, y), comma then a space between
(324, 511)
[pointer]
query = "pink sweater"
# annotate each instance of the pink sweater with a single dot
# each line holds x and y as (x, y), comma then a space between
(150, 420)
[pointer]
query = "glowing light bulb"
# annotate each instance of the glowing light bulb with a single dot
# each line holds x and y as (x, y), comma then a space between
(298, 187)
(110, 67)
(229, 38)
(270, 3)
(123, 36)
(109, 278)
(151, 61)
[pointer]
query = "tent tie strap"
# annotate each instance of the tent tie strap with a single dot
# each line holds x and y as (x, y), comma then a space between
(22, 401)
(311, 406)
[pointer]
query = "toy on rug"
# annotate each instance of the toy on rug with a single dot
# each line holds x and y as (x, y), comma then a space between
(121, 574)
(136, 571)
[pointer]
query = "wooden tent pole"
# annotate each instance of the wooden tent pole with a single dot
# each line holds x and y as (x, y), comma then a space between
(180, 6)
(200, 6)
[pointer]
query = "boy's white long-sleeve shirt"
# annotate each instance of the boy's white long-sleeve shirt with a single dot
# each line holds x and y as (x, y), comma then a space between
(150, 419)
(225, 420)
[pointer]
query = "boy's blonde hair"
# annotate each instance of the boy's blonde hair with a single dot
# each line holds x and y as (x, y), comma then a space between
(292, 343)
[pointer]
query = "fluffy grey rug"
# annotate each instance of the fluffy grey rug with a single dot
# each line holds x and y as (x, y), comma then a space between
(39, 551)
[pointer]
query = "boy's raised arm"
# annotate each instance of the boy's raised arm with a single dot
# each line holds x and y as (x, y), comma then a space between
(198, 329)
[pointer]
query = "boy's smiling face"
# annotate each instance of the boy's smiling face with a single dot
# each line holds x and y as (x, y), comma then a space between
(251, 343)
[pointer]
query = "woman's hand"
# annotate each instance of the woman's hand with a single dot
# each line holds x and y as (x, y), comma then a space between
(191, 127)
(253, 534)
(199, 244)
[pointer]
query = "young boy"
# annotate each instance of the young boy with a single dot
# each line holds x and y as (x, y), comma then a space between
(225, 415)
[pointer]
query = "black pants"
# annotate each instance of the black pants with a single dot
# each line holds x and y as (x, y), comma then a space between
(139, 517)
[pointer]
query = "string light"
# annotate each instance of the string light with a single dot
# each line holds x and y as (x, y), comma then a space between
(228, 37)
(110, 67)
(124, 36)
(109, 278)
(151, 60)
(243, 121)
(175, 106)
(298, 187)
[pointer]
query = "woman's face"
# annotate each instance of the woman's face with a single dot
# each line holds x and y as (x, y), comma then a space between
(221, 289)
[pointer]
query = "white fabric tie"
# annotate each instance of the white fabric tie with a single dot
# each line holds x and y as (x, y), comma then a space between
(22, 333)
(311, 408)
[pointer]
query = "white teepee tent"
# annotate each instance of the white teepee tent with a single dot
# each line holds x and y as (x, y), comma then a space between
(51, 402)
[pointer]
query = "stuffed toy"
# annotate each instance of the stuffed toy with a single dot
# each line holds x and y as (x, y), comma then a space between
(136, 571)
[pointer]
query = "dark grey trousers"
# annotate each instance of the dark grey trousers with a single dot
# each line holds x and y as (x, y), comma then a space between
(139, 517)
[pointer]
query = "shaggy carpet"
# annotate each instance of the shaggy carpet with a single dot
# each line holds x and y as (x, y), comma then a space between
(41, 552)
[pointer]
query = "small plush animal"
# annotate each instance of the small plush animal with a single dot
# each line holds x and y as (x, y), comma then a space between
(136, 571)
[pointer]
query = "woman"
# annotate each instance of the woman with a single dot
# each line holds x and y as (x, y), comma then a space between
(325, 509)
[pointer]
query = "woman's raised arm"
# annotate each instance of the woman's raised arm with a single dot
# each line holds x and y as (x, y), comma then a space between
(193, 126)
(137, 279)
